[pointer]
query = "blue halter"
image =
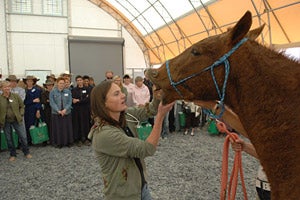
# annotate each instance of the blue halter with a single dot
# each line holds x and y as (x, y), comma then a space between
(223, 59)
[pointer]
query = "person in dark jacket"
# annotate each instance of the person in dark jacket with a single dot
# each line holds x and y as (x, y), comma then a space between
(81, 114)
(46, 108)
(32, 103)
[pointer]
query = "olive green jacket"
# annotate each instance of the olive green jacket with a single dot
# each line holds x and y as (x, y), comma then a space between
(116, 151)
(17, 106)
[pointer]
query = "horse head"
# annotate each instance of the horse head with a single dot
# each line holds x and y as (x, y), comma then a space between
(189, 75)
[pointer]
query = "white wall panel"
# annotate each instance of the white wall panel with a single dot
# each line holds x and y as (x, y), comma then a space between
(24, 23)
(3, 48)
(94, 32)
(86, 14)
(38, 51)
(134, 57)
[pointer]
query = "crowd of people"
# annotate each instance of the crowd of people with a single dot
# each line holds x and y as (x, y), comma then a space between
(65, 107)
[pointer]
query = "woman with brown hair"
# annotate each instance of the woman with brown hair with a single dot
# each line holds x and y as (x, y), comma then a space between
(116, 144)
(61, 118)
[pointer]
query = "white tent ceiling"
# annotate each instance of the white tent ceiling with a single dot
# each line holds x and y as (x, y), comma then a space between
(165, 28)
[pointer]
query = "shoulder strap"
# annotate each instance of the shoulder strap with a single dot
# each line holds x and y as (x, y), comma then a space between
(135, 119)
(136, 160)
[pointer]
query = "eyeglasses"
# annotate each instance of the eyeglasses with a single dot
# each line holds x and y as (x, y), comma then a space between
(108, 77)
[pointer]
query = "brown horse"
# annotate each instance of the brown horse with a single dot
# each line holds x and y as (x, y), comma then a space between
(260, 85)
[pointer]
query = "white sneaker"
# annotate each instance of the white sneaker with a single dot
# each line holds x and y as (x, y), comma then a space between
(192, 133)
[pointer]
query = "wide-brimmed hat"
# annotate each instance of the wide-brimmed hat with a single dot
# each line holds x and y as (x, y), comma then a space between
(12, 78)
(66, 73)
(51, 76)
(48, 82)
(30, 77)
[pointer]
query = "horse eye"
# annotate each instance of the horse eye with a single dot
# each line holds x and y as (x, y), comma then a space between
(195, 52)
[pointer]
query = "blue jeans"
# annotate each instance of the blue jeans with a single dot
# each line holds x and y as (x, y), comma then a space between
(146, 193)
(20, 130)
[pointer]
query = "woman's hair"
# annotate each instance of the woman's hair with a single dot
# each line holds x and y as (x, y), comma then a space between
(4, 84)
(138, 78)
(60, 78)
(118, 77)
(99, 110)
(78, 76)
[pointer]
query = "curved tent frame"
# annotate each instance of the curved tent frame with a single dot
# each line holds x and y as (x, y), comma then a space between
(203, 19)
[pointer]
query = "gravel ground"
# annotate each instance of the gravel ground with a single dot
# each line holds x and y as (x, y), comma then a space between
(183, 168)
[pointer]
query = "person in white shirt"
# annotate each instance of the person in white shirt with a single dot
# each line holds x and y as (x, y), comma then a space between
(14, 86)
(141, 93)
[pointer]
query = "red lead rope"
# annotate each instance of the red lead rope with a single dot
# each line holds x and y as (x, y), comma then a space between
(237, 167)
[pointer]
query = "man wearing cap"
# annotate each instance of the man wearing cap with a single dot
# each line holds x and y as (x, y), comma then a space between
(32, 103)
(14, 86)
(51, 77)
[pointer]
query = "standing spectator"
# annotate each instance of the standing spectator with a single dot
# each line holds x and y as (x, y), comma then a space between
(148, 83)
(192, 117)
(68, 79)
(11, 115)
(141, 94)
(68, 84)
(61, 119)
(109, 75)
(165, 127)
(92, 82)
(46, 108)
(118, 81)
(15, 88)
(171, 119)
(86, 82)
(81, 112)
(130, 90)
(32, 103)
(51, 77)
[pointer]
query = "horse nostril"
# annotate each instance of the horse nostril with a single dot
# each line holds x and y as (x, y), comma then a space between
(154, 73)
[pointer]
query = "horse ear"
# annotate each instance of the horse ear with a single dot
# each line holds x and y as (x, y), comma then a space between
(239, 31)
(253, 34)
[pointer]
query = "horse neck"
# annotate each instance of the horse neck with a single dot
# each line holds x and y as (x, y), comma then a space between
(261, 80)
(263, 90)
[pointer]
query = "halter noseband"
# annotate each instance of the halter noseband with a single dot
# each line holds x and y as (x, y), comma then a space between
(223, 59)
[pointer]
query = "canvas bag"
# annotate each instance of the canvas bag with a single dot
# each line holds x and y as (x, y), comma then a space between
(143, 128)
(212, 127)
(181, 119)
(15, 139)
(39, 133)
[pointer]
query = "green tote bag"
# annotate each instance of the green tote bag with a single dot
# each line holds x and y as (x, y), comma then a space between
(39, 133)
(15, 139)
